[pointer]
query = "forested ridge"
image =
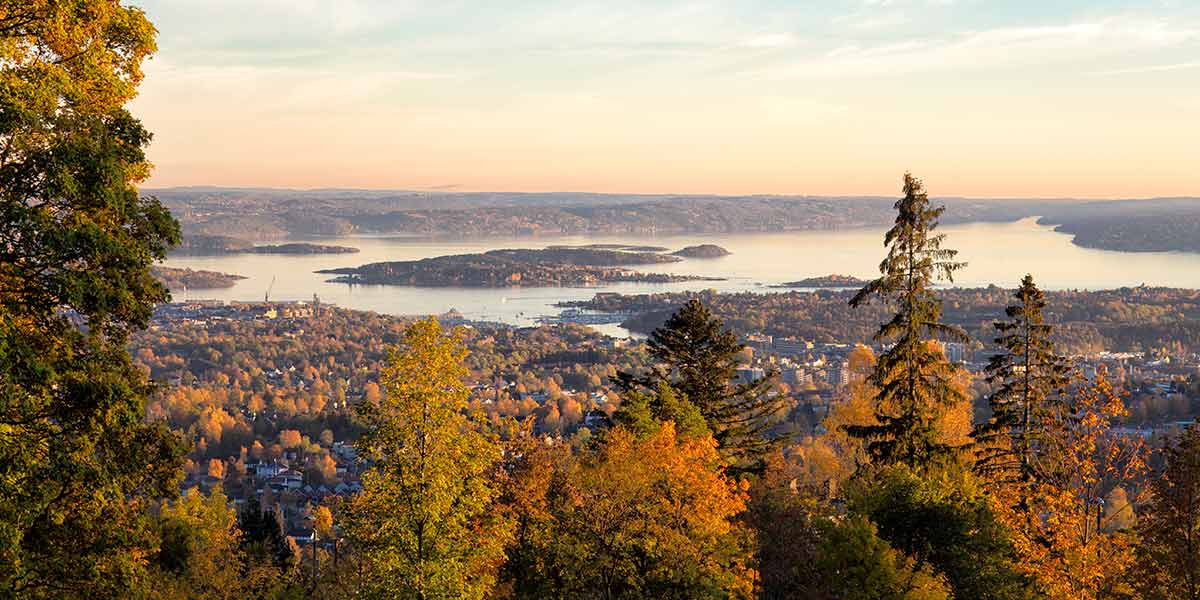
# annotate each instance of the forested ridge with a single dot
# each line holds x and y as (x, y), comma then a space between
(341, 454)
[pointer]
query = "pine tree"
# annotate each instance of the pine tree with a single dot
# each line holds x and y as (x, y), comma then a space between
(698, 357)
(915, 381)
(1016, 443)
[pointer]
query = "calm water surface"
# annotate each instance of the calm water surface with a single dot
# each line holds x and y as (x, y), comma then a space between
(999, 253)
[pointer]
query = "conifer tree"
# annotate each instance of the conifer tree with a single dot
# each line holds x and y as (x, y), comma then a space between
(1016, 442)
(914, 379)
(698, 357)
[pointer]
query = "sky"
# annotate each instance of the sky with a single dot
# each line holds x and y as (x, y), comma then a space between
(985, 98)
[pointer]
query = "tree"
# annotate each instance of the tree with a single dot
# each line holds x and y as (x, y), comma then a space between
(942, 517)
(914, 379)
(200, 556)
(856, 564)
(425, 523)
(1058, 527)
(77, 458)
(265, 539)
(1169, 554)
(323, 523)
(630, 517)
(1016, 443)
(699, 358)
(785, 508)
(643, 413)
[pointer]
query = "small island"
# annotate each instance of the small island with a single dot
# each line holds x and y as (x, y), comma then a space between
(555, 266)
(827, 281)
(302, 248)
(702, 251)
(182, 279)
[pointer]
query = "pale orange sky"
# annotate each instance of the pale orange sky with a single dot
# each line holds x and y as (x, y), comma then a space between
(1083, 99)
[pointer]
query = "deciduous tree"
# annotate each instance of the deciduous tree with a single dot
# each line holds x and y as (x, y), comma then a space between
(425, 523)
(77, 460)
(1057, 525)
(1169, 553)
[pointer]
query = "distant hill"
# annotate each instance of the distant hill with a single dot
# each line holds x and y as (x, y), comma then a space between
(1153, 225)
(271, 214)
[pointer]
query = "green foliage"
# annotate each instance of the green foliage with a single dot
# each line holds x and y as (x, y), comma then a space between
(644, 413)
(915, 381)
(697, 356)
(941, 517)
(425, 523)
(1018, 441)
(200, 556)
(856, 564)
(76, 455)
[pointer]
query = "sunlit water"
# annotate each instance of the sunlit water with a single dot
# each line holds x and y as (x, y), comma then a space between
(999, 253)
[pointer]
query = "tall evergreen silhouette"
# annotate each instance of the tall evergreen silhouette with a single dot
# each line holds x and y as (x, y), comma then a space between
(698, 357)
(1015, 444)
(914, 379)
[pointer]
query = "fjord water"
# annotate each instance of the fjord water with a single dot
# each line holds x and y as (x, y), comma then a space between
(996, 253)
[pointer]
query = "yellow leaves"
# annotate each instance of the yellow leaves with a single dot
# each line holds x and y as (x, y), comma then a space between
(86, 53)
(1064, 538)
(426, 523)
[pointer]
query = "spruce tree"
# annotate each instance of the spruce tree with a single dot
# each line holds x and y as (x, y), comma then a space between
(698, 357)
(914, 379)
(1016, 442)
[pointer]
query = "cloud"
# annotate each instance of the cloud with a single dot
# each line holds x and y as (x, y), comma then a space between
(1153, 68)
(769, 40)
(993, 48)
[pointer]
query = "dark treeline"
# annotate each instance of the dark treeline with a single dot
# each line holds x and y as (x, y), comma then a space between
(1122, 320)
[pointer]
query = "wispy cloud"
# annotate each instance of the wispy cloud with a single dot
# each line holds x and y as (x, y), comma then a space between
(995, 48)
(1153, 68)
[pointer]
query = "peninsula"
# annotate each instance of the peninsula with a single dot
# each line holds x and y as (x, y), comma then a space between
(180, 279)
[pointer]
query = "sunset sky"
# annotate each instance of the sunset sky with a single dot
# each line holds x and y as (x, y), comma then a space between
(978, 97)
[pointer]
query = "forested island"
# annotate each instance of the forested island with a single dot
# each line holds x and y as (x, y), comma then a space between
(554, 266)
(826, 281)
(302, 248)
(702, 251)
(179, 279)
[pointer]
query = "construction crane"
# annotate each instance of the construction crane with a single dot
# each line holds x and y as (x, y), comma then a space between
(267, 296)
